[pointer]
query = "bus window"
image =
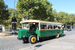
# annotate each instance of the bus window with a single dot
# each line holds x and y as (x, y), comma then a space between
(43, 27)
(59, 27)
(34, 26)
(55, 27)
(25, 26)
(50, 27)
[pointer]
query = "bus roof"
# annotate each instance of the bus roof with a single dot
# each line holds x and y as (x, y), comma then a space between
(37, 21)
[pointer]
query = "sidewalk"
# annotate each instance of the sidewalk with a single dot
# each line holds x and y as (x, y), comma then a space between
(7, 34)
(66, 43)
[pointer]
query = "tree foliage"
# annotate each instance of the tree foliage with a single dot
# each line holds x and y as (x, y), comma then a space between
(4, 14)
(63, 17)
(35, 9)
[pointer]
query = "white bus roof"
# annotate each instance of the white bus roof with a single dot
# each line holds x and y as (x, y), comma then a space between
(37, 21)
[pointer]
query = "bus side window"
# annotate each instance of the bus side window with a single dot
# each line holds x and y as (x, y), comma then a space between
(50, 27)
(43, 27)
(56, 27)
(59, 27)
(37, 27)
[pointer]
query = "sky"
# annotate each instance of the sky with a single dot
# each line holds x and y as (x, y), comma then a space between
(67, 6)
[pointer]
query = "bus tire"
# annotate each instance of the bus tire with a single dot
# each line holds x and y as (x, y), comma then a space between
(32, 39)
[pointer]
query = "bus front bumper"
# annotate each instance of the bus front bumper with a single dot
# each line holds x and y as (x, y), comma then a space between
(22, 38)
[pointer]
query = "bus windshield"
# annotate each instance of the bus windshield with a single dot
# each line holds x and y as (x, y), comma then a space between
(32, 26)
(26, 26)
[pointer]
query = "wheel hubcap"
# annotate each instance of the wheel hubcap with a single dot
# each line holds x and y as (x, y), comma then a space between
(33, 39)
(57, 34)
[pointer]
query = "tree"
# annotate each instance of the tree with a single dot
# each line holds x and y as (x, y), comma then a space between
(60, 16)
(35, 9)
(66, 18)
(72, 17)
(4, 14)
(54, 15)
(63, 17)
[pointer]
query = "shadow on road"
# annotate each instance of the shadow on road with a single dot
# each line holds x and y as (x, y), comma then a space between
(38, 45)
(63, 35)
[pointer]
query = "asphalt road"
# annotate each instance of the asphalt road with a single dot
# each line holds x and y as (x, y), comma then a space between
(12, 43)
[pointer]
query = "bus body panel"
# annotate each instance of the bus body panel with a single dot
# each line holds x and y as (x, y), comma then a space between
(27, 33)
(22, 32)
(40, 33)
(46, 33)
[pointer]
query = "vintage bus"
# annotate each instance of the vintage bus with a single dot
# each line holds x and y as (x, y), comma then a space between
(33, 30)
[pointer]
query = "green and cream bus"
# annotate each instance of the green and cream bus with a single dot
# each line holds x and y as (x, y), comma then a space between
(33, 30)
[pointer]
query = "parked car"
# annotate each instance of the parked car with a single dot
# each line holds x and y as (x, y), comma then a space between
(73, 27)
(0, 30)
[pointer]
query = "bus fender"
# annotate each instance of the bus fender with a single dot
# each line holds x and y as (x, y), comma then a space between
(37, 37)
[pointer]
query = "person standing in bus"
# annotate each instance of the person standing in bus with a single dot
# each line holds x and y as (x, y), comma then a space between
(56, 28)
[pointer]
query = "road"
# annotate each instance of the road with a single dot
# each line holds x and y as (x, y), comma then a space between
(12, 43)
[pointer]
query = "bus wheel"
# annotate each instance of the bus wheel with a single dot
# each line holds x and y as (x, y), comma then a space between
(57, 35)
(32, 39)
